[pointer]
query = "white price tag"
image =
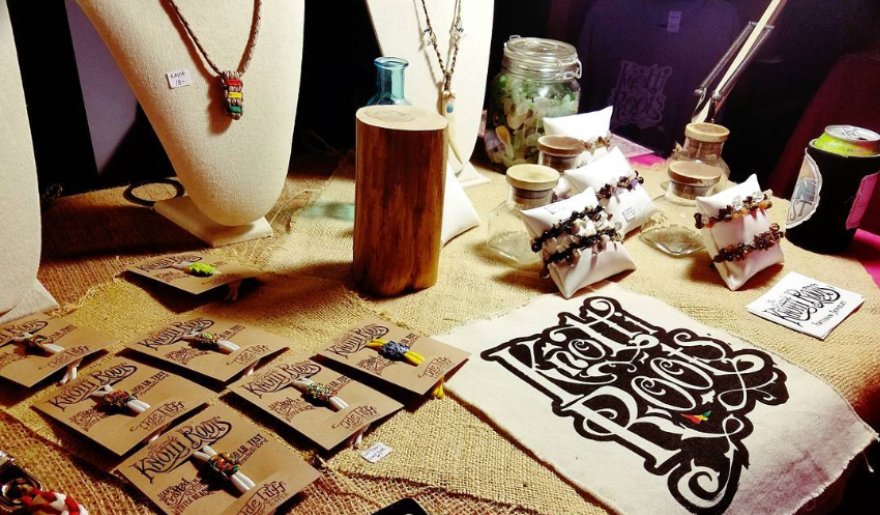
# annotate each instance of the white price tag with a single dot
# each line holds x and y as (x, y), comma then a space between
(178, 79)
(673, 23)
(376, 452)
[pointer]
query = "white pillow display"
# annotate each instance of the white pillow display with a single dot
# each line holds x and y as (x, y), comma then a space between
(589, 127)
(578, 243)
(618, 186)
(737, 232)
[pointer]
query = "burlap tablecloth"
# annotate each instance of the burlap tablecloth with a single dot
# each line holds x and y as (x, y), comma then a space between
(445, 456)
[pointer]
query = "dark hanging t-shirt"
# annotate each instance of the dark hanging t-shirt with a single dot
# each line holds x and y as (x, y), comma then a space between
(647, 57)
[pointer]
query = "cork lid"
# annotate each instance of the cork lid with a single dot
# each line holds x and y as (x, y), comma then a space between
(532, 177)
(694, 173)
(707, 132)
(560, 145)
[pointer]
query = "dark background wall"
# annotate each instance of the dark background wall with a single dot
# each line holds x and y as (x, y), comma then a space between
(76, 95)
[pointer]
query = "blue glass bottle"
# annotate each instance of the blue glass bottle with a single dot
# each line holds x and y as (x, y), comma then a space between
(389, 82)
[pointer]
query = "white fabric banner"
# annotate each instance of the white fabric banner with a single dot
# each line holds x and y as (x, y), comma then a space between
(652, 412)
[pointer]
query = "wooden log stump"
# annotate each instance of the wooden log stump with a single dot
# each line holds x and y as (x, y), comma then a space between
(400, 167)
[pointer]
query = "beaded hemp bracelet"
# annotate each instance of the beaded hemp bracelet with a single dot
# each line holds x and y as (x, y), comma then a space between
(568, 225)
(396, 351)
(21, 492)
(120, 400)
(625, 182)
(40, 344)
(211, 341)
(600, 142)
(320, 393)
(738, 208)
(573, 252)
(740, 251)
(224, 466)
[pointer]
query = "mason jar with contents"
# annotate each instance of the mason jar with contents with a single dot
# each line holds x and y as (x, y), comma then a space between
(538, 78)
(694, 170)
(531, 186)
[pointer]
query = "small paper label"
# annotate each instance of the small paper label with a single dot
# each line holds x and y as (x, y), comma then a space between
(178, 79)
(673, 24)
(863, 198)
(377, 452)
(630, 213)
(806, 305)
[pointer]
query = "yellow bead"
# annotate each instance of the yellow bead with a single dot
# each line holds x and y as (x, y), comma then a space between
(233, 94)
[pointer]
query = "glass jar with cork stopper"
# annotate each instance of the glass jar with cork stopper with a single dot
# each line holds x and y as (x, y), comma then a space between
(694, 170)
(531, 186)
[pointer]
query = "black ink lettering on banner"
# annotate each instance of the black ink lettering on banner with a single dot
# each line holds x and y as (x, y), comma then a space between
(679, 400)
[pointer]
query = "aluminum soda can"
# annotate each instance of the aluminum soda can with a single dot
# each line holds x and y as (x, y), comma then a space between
(833, 189)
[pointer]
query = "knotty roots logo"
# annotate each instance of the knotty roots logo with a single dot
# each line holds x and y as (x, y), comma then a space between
(679, 400)
(357, 339)
(168, 453)
(280, 377)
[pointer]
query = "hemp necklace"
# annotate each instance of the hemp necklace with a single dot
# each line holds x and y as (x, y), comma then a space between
(230, 80)
(447, 97)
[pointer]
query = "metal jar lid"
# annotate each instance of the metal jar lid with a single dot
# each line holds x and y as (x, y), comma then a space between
(539, 58)
(532, 177)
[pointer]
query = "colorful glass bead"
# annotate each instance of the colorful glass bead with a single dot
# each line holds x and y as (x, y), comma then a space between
(202, 269)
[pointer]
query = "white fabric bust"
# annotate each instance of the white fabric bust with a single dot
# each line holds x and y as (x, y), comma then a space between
(232, 170)
(21, 294)
(399, 27)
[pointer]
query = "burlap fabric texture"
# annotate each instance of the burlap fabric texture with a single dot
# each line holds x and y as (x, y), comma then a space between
(447, 456)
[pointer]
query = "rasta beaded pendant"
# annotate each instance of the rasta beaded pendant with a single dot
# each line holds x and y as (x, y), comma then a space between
(230, 80)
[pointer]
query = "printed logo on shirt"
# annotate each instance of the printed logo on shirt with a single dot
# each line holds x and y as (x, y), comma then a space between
(638, 98)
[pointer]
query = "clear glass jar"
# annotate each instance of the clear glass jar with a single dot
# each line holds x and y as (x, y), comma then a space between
(703, 144)
(389, 81)
(694, 170)
(538, 78)
(560, 153)
(531, 186)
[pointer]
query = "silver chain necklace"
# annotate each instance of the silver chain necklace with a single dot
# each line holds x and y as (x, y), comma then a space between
(447, 97)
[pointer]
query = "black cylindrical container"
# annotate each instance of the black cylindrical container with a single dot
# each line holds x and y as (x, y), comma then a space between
(832, 193)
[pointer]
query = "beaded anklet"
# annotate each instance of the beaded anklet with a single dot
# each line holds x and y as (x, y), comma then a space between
(739, 208)
(626, 182)
(740, 251)
(567, 226)
(573, 253)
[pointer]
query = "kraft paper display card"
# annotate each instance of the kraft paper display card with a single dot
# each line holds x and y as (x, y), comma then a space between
(652, 412)
(193, 272)
(123, 403)
(36, 347)
(325, 406)
(218, 462)
(211, 346)
(413, 362)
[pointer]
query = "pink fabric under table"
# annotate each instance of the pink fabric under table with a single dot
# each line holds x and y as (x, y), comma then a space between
(866, 248)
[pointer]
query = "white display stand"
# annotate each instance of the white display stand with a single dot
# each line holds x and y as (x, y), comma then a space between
(233, 171)
(183, 212)
(399, 27)
(21, 294)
